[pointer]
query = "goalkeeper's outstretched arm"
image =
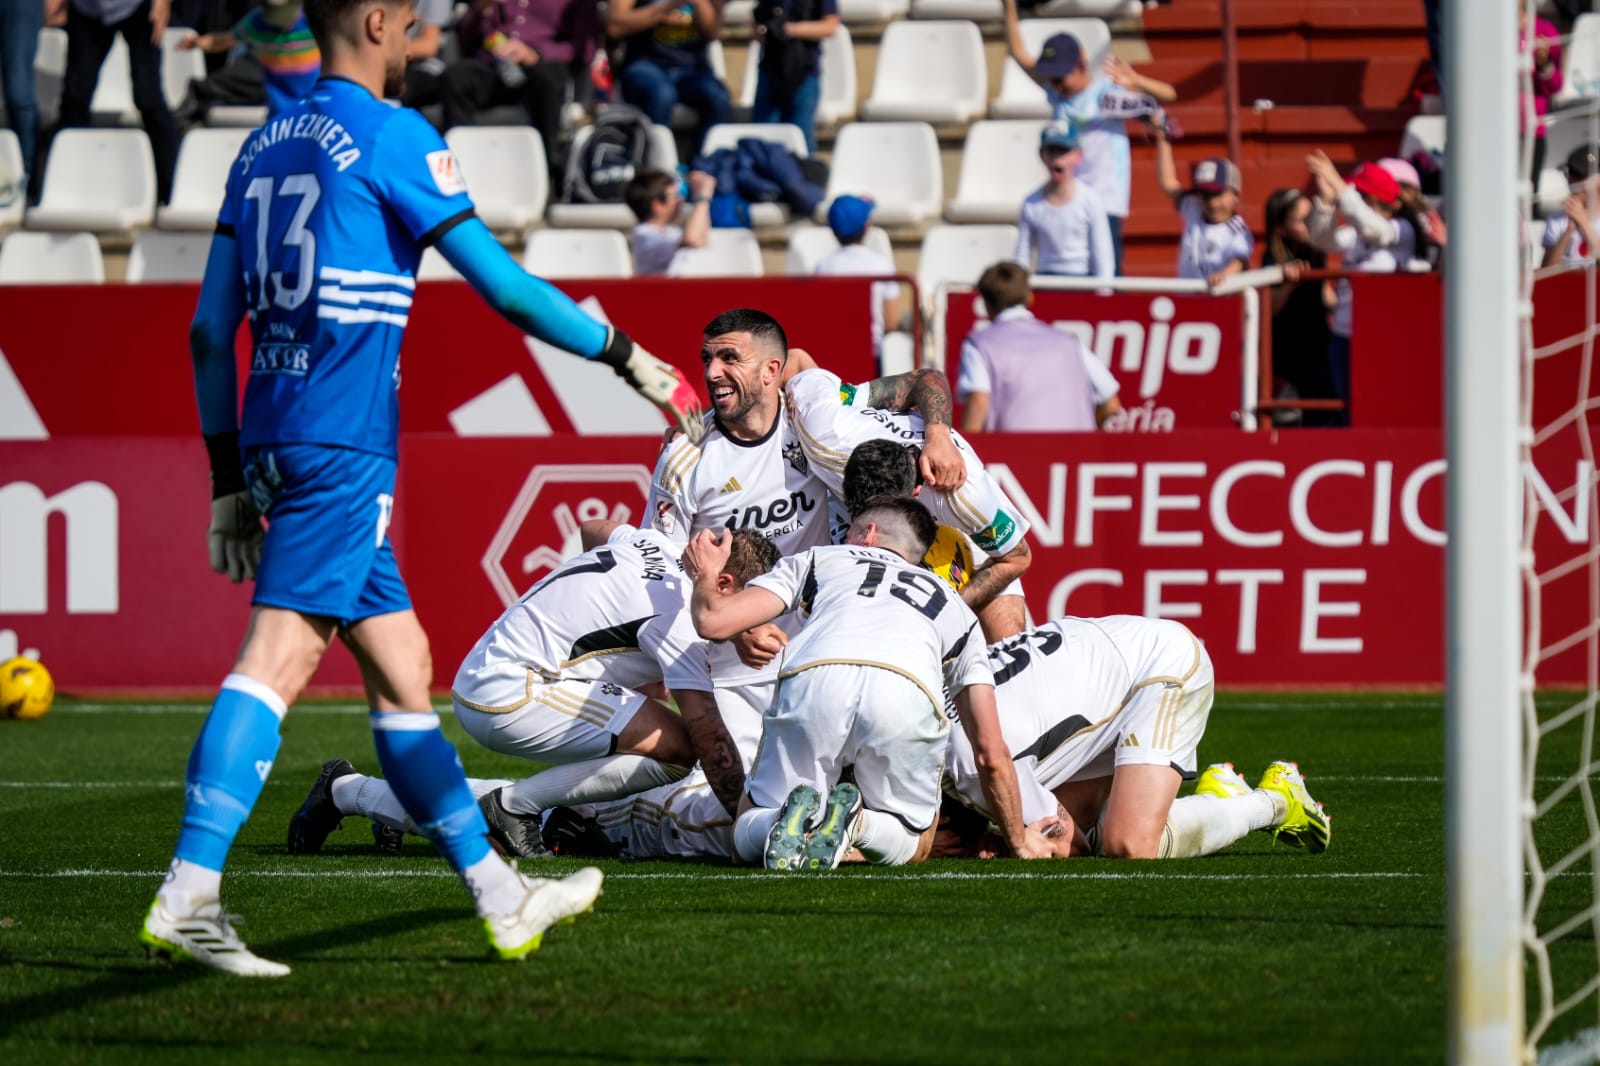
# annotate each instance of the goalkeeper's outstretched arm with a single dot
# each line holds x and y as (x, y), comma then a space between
(543, 311)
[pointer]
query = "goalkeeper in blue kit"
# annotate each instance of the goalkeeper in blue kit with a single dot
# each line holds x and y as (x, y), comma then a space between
(327, 211)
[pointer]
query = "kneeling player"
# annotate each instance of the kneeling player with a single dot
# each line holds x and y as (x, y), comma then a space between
(1104, 716)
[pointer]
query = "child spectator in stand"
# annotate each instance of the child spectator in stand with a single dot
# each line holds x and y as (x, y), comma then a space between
(1374, 240)
(655, 201)
(1414, 208)
(1299, 309)
(1063, 221)
(850, 219)
(1217, 242)
(1569, 236)
(278, 36)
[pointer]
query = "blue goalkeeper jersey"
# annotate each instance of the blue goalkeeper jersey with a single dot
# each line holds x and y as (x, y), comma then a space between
(331, 205)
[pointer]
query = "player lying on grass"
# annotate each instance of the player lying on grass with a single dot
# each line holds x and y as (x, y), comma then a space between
(833, 419)
(1103, 716)
(558, 679)
(323, 223)
(878, 631)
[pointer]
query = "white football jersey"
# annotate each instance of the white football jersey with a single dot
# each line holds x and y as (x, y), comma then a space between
(869, 607)
(767, 486)
(831, 418)
(616, 613)
(1060, 682)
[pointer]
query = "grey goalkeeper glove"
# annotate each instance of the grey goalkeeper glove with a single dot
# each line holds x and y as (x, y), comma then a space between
(233, 540)
(657, 381)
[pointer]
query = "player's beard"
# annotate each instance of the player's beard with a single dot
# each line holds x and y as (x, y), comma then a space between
(742, 403)
(394, 81)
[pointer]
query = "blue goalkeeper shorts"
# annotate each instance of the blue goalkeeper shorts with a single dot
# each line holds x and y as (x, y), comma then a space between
(327, 550)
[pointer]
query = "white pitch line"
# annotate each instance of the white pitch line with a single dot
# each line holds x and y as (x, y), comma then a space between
(754, 876)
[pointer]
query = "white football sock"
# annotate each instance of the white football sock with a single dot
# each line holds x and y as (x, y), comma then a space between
(750, 833)
(608, 777)
(1203, 825)
(882, 839)
(187, 885)
(494, 885)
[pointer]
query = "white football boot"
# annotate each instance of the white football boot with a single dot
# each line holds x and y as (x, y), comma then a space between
(204, 937)
(512, 936)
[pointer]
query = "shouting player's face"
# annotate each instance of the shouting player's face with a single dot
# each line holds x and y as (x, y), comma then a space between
(740, 374)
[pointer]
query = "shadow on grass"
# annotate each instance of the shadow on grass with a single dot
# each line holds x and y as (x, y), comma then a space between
(131, 980)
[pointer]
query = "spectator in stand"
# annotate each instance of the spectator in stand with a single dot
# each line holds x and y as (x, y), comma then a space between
(789, 79)
(1299, 309)
(92, 26)
(1217, 242)
(1021, 375)
(1547, 80)
(664, 60)
(1063, 221)
(425, 66)
(1375, 239)
(526, 52)
(20, 22)
(1099, 104)
(1432, 234)
(279, 38)
(655, 200)
(1569, 236)
(850, 218)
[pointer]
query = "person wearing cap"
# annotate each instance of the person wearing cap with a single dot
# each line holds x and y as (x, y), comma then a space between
(1217, 242)
(850, 219)
(1432, 235)
(1099, 102)
(1376, 238)
(1063, 221)
(1569, 236)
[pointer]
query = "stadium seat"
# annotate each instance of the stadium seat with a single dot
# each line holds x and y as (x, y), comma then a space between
(1099, 9)
(838, 101)
(44, 258)
(179, 67)
(929, 72)
(97, 179)
(663, 156)
(1022, 97)
(898, 354)
(506, 173)
(230, 116)
(168, 257)
(895, 163)
(977, 10)
(956, 255)
(810, 245)
(1566, 130)
(739, 12)
(12, 195)
(204, 159)
(435, 267)
(578, 253)
(732, 253)
(49, 71)
(1580, 59)
(999, 167)
(1423, 132)
(113, 93)
(729, 134)
(872, 11)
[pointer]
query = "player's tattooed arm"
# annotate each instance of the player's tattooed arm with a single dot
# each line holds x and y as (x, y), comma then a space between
(990, 579)
(928, 392)
(714, 746)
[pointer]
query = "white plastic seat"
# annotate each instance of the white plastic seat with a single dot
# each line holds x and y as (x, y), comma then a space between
(179, 67)
(1580, 59)
(1424, 132)
(12, 194)
(229, 116)
(898, 354)
(837, 101)
(49, 73)
(957, 255)
(102, 180)
(729, 134)
(1097, 9)
(739, 12)
(731, 253)
(895, 163)
(810, 245)
(872, 11)
(999, 167)
(977, 10)
(663, 156)
(201, 176)
(1022, 97)
(45, 258)
(506, 173)
(578, 253)
(168, 257)
(929, 72)
(113, 93)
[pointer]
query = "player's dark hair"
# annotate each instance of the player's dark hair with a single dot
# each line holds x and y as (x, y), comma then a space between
(644, 189)
(918, 521)
(324, 18)
(758, 324)
(1002, 286)
(751, 555)
(878, 468)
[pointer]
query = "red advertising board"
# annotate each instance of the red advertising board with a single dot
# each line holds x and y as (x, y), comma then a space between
(1177, 356)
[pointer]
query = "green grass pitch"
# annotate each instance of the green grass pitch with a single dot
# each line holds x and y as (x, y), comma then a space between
(1262, 954)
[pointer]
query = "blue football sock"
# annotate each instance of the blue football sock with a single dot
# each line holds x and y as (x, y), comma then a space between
(229, 764)
(425, 773)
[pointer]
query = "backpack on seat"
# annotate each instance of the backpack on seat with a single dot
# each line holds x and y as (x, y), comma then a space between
(617, 148)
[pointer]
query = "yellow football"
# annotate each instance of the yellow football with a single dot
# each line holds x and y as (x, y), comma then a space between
(950, 558)
(26, 688)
